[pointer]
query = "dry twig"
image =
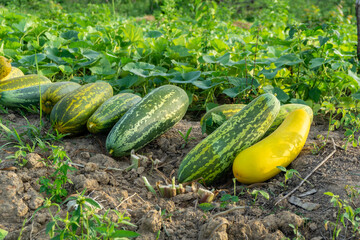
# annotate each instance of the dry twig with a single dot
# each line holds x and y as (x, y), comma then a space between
(304, 180)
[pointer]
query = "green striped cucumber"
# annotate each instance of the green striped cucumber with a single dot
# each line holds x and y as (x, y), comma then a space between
(216, 116)
(71, 113)
(106, 116)
(23, 97)
(23, 82)
(214, 155)
(56, 92)
(158, 111)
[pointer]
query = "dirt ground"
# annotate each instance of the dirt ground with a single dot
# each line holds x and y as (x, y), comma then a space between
(180, 217)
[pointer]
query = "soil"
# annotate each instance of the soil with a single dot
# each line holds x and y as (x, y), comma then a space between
(180, 217)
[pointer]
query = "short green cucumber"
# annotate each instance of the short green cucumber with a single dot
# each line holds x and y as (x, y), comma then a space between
(56, 92)
(71, 113)
(213, 156)
(158, 111)
(23, 97)
(107, 115)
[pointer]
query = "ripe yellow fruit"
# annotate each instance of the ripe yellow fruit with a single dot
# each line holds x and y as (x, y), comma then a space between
(15, 72)
(5, 67)
(259, 162)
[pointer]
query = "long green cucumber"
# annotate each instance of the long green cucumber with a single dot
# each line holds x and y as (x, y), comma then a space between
(23, 97)
(23, 82)
(214, 155)
(152, 116)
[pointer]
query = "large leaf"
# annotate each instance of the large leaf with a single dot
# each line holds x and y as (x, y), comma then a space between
(278, 92)
(140, 68)
(32, 59)
(316, 62)
(288, 60)
(133, 33)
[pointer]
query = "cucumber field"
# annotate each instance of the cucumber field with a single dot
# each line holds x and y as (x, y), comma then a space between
(176, 119)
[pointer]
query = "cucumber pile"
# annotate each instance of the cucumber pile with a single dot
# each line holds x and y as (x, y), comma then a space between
(132, 122)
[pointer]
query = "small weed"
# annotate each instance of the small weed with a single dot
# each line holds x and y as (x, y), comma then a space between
(186, 137)
(290, 173)
(263, 193)
(54, 185)
(227, 199)
(83, 222)
(344, 211)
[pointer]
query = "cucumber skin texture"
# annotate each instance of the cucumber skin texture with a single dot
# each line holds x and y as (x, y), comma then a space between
(107, 115)
(71, 113)
(15, 72)
(23, 82)
(227, 109)
(56, 92)
(259, 162)
(213, 156)
(23, 97)
(157, 112)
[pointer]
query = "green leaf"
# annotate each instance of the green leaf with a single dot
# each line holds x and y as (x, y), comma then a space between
(283, 169)
(80, 44)
(278, 92)
(191, 76)
(139, 68)
(205, 84)
(3, 234)
(92, 202)
(288, 60)
(206, 206)
(50, 227)
(219, 45)
(224, 59)
(315, 94)
(354, 76)
(70, 35)
(32, 59)
(90, 54)
(154, 34)
(22, 26)
(232, 92)
(316, 62)
(269, 73)
(127, 81)
(323, 40)
(133, 33)
(209, 59)
(124, 233)
(178, 51)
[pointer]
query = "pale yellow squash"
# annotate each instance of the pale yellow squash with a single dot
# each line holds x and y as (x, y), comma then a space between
(5, 67)
(259, 162)
(15, 72)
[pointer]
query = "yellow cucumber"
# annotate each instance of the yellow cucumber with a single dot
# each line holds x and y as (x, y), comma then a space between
(259, 162)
